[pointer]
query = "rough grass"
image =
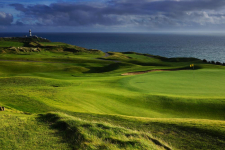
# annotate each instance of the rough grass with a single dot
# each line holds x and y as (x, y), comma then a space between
(81, 134)
(52, 43)
(186, 134)
(47, 56)
(145, 60)
(10, 44)
(116, 56)
(85, 87)
(24, 132)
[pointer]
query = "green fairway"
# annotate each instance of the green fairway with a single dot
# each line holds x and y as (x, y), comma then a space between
(68, 97)
(207, 83)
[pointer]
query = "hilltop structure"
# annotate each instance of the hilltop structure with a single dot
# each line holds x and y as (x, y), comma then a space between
(30, 32)
(30, 38)
(33, 36)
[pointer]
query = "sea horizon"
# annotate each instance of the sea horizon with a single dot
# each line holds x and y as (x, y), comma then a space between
(209, 46)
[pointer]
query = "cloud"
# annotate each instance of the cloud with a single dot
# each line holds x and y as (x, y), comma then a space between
(146, 13)
(5, 19)
(19, 23)
(162, 6)
(19, 7)
(65, 14)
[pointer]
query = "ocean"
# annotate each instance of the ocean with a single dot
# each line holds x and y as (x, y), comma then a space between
(209, 47)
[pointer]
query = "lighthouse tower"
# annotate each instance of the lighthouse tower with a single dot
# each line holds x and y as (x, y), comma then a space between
(30, 32)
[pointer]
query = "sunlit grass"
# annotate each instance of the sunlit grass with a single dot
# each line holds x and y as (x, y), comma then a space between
(25, 132)
(181, 109)
(207, 83)
(187, 134)
(85, 134)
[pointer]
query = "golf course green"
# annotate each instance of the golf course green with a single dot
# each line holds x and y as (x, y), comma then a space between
(61, 96)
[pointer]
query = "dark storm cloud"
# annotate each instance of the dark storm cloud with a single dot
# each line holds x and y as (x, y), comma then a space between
(123, 12)
(5, 19)
(66, 14)
(146, 6)
(19, 23)
(19, 7)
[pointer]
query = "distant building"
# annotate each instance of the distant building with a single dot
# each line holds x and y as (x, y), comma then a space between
(32, 36)
(30, 33)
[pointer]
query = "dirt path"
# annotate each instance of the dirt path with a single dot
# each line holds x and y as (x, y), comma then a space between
(142, 72)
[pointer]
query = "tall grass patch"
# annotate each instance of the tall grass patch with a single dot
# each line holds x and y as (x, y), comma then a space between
(184, 134)
(81, 134)
(25, 132)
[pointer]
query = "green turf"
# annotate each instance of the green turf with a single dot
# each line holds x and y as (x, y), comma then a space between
(10, 44)
(83, 134)
(182, 109)
(144, 59)
(25, 132)
(206, 83)
(182, 133)
(51, 43)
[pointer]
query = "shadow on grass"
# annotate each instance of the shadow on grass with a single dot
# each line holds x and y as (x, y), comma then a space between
(122, 144)
(137, 62)
(70, 135)
(26, 104)
(180, 136)
(108, 68)
(76, 134)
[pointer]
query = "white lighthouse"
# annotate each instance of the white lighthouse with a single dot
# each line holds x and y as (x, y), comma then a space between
(30, 32)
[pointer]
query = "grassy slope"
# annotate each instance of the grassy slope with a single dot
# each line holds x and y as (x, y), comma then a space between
(25, 132)
(10, 44)
(180, 133)
(86, 84)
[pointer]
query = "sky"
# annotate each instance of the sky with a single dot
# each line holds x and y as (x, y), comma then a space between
(112, 15)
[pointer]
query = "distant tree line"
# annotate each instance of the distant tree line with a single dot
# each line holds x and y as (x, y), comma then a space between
(213, 62)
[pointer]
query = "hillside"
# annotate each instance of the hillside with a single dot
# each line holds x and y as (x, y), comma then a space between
(61, 96)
